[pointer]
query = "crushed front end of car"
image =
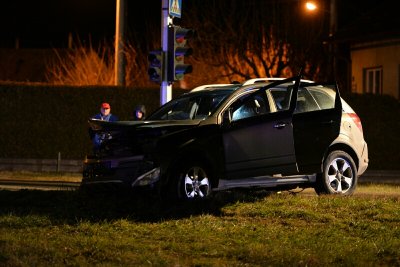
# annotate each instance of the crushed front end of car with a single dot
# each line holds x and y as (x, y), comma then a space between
(127, 156)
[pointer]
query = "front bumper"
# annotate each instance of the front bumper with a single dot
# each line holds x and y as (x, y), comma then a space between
(126, 172)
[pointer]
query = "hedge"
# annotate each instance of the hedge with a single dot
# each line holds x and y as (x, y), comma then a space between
(41, 121)
(381, 124)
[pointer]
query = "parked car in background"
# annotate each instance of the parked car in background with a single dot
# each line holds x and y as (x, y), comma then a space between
(280, 134)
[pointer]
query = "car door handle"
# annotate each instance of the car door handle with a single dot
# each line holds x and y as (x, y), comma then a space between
(280, 125)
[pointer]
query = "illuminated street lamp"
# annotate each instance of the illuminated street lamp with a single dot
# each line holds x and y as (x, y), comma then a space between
(311, 6)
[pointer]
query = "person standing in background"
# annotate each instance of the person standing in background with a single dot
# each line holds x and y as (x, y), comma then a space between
(104, 115)
(139, 113)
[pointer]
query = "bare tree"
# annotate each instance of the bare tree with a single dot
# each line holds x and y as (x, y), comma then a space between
(255, 38)
(86, 65)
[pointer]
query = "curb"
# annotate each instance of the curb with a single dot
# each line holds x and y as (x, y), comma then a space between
(380, 176)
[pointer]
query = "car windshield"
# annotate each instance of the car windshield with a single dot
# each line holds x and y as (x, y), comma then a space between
(191, 106)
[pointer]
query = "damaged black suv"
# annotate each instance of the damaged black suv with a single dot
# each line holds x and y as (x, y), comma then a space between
(279, 134)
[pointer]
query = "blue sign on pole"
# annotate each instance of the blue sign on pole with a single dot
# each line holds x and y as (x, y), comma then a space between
(175, 8)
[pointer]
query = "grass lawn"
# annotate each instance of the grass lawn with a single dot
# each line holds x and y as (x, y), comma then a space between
(40, 176)
(235, 228)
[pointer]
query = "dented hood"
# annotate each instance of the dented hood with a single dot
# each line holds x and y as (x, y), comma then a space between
(104, 126)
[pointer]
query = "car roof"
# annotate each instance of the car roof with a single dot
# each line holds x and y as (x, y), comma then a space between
(212, 87)
(263, 80)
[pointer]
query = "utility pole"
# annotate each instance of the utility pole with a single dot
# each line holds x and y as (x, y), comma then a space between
(332, 32)
(119, 42)
(166, 88)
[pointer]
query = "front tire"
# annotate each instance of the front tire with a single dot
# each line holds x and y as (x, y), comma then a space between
(191, 182)
(339, 175)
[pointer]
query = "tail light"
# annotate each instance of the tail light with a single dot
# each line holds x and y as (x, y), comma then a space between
(356, 120)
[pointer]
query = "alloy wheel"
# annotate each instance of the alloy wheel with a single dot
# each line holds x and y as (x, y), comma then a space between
(340, 175)
(196, 183)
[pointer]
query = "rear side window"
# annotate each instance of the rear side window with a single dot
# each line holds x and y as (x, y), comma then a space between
(310, 98)
(305, 102)
(324, 100)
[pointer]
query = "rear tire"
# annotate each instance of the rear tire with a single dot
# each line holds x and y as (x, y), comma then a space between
(339, 175)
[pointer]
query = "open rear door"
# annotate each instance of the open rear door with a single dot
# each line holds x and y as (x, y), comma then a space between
(316, 124)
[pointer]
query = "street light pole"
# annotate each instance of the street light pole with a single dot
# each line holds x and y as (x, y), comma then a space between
(332, 32)
(119, 43)
(332, 50)
(332, 18)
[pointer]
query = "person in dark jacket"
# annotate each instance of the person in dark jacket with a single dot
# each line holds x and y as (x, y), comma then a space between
(104, 115)
(139, 113)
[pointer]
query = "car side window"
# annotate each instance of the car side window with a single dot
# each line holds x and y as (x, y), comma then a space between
(323, 99)
(305, 102)
(250, 106)
(281, 97)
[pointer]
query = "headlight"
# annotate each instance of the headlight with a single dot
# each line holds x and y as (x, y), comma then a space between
(148, 178)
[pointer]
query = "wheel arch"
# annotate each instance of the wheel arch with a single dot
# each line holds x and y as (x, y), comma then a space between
(328, 182)
(346, 148)
(194, 154)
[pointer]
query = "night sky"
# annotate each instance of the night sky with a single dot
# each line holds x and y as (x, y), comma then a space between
(47, 23)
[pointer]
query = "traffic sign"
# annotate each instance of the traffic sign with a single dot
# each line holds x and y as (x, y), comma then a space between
(175, 8)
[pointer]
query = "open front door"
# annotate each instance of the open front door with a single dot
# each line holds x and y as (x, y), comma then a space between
(316, 124)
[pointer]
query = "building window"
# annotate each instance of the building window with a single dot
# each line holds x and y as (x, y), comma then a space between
(373, 80)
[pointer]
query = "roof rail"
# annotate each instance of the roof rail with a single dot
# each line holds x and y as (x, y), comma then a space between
(261, 80)
(202, 87)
